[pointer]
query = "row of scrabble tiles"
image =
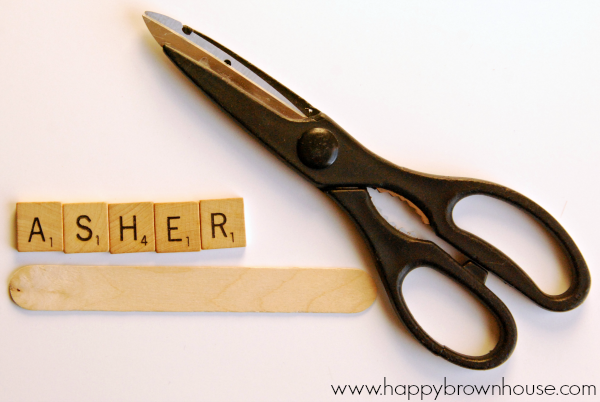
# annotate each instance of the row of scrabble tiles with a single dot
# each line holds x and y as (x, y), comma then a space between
(169, 227)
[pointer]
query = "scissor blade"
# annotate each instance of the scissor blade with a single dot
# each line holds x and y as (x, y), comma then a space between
(174, 34)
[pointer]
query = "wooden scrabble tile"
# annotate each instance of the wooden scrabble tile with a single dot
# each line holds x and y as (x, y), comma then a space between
(39, 226)
(131, 227)
(85, 227)
(177, 227)
(222, 223)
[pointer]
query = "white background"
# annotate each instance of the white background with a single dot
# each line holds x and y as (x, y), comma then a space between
(92, 110)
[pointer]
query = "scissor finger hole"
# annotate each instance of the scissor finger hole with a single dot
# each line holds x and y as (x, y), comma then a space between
(406, 218)
(517, 235)
(449, 313)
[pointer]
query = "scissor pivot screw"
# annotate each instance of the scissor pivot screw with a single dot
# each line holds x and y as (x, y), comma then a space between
(318, 148)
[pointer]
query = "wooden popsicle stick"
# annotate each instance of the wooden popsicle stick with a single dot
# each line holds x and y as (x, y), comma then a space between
(225, 289)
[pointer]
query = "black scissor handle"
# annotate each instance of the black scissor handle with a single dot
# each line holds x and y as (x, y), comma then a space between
(437, 196)
(397, 254)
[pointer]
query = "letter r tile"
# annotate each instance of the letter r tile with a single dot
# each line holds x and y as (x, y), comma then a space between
(177, 226)
(85, 227)
(131, 227)
(39, 226)
(222, 223)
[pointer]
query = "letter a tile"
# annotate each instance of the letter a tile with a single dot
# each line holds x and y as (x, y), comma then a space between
(85, 227)
(177, 227)
(222, 223)
(131, 227)
(39, 226)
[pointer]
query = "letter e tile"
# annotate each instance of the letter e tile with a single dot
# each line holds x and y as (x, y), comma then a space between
(222, 223)
(177, 226)
(131, 227)
(39, 226)
(85, 227)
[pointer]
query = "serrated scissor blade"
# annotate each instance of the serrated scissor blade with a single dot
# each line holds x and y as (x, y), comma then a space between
(172, 33)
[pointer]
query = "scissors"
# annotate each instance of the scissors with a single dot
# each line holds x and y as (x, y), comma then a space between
(311, 143)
